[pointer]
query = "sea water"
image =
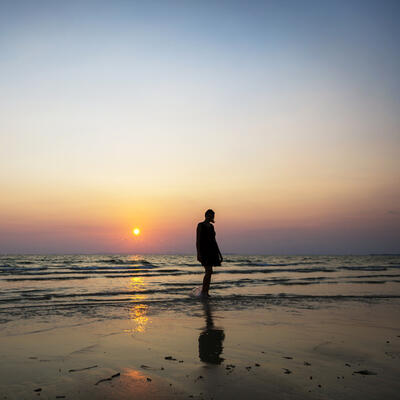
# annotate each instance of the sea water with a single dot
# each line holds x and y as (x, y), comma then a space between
(103, 285)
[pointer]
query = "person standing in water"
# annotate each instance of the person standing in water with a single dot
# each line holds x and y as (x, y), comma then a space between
(207, 249)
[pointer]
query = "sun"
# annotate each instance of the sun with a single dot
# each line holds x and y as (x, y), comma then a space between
(136, 231)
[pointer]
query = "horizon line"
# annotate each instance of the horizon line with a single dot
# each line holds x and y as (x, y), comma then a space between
(194, 254)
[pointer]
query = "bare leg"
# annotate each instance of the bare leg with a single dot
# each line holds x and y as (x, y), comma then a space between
(207, 279)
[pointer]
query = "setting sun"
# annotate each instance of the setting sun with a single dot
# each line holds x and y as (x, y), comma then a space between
(136, 231)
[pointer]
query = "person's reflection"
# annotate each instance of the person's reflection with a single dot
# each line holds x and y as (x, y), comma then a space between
(210, 339)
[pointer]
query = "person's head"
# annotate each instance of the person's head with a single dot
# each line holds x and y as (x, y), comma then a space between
(210, 214)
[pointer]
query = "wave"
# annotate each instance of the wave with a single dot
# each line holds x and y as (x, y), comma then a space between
(127, 267)
(366, 268)
(261, 264)
(185, 304)
(170, 290)
(53, 278)
(13, 269)
(87, 272)
(373, 276)
(237, 260)
(118, 261)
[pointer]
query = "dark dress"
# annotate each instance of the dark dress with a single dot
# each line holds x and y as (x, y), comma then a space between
(207, 245)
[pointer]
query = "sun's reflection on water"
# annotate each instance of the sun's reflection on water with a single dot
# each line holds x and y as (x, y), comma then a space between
(137, 311)
(136, 283)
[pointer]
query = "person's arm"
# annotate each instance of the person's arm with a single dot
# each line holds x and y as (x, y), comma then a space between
(219, 252)
(198, 239)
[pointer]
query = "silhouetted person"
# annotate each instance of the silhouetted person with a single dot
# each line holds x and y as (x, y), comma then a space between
(210, 339)
(207, 249)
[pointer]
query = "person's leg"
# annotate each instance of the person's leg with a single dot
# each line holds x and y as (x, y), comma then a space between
(207, 279)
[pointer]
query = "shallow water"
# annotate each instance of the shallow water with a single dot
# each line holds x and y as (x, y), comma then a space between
(34, 285)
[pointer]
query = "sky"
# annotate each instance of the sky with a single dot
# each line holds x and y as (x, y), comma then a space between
(282, 116)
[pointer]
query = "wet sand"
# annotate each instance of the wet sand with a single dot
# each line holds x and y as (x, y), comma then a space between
(350, 351)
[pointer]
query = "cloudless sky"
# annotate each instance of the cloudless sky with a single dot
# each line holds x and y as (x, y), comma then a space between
(282, 116)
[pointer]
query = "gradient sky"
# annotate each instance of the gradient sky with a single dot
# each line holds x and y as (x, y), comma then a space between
(282, 116)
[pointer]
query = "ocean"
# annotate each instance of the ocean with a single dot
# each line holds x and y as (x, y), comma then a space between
(108, 285)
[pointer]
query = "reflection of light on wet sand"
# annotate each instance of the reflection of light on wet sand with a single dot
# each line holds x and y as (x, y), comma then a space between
(137, 315)
(134, 374)
(137, 312)
(135, 385)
